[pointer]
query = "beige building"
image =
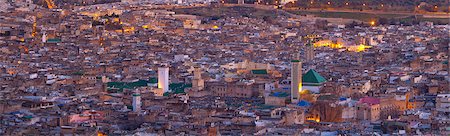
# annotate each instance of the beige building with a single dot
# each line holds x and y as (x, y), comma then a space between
(235, 89)
(368, 109)
(275, 101)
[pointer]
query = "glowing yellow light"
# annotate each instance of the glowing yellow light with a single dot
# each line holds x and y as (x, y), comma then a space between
(311, 2)
(50, 4)
(33, 34)
(215, 27)
(299, 87)
(19, 62)
(317, 120)
(329, 3)
(129, 29)
(116, 20)
(362, 48)
(372, 23)
(346, 3)
(436, 6)
(304, 92)
(145, 26)
(100, 134)
(359, 48)
(323, 43)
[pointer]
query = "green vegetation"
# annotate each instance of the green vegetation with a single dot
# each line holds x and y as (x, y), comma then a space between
(387, 5)
(368, 17)
(215, 13)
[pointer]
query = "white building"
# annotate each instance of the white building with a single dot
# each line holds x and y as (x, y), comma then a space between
(137, 102)
(163, 78)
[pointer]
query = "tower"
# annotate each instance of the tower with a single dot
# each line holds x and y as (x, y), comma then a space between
(44, 38)
(309, 51)
(163, 78)
(136, 102)
(296, 78)
(241, 2)
(197, 82)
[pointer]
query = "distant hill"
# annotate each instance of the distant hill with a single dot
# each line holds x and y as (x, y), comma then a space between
(395, 5)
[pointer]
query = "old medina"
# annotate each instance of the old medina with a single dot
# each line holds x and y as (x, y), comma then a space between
(217, 67)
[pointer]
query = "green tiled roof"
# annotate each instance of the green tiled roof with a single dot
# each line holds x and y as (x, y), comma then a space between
(127, 85)
(259, 71)
(178, 87)
(295, 60)
(153, 80)
(28, 117)
(312, 77)
(54, 40)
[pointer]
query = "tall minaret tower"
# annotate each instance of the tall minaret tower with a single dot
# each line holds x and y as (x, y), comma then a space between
(136, 102)
(197, 82)
(44, 38)
(309, 51)
(163, 78)
(296, 78)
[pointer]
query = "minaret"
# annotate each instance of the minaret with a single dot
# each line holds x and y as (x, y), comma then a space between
(44, 38)
(137, 102)
(309, 51)
(296, 78)
(197, 82)
(163, 78)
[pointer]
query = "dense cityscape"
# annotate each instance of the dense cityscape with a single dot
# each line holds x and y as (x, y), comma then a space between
(222, 67)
